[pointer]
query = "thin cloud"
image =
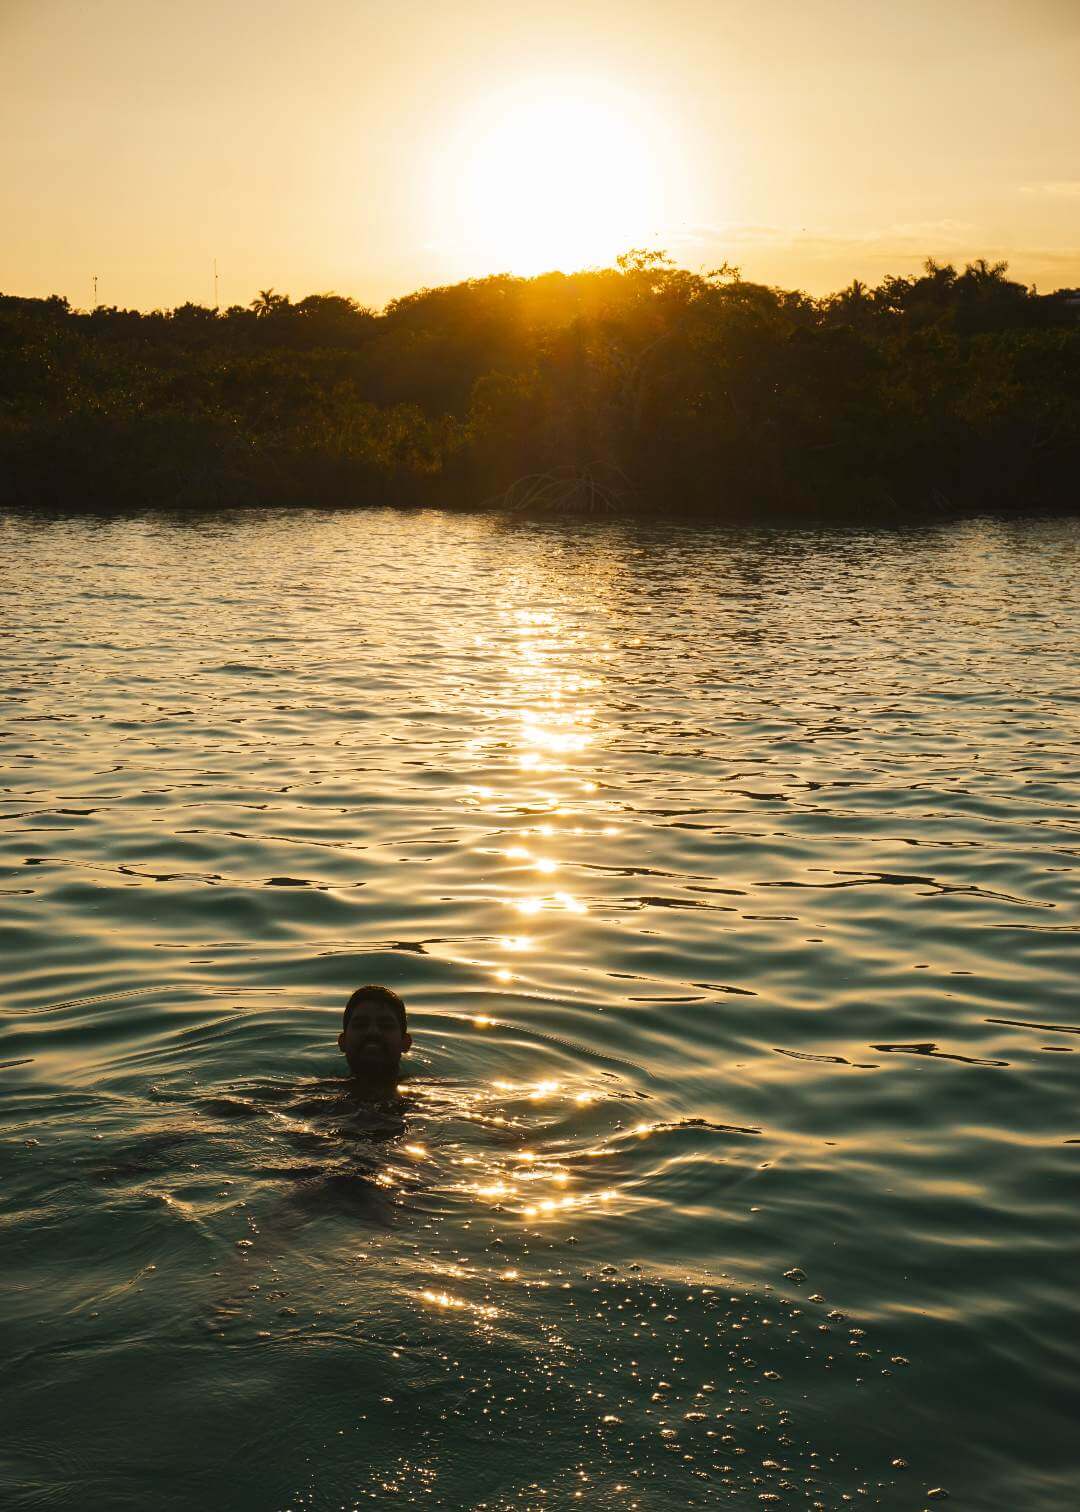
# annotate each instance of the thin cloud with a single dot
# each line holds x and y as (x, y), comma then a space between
(901, 234)
(741, 232)
(932, 230)
(1054, 189)
(822, 259)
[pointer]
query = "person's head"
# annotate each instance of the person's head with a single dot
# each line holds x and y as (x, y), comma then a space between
(374, 1034)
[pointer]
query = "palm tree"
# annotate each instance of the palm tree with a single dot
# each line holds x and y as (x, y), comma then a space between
(268, 302)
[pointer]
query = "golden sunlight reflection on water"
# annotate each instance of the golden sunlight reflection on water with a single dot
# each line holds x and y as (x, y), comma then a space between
(730, 882)
(548, 702)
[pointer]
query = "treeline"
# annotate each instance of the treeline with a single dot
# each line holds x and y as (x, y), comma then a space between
(640, 387)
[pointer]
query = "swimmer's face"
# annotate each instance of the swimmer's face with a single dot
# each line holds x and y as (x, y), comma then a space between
(373, 1042)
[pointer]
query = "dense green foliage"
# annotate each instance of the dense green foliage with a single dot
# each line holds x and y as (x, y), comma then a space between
(642, 386)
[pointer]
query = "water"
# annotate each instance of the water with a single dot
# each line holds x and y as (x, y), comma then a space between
(731, 881)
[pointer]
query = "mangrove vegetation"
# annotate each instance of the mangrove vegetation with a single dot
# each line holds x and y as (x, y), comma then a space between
(641, 387)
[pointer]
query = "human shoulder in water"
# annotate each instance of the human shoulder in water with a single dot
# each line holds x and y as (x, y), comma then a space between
(374, 1036)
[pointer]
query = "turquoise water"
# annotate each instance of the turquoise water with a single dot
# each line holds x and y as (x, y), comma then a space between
(731, 880)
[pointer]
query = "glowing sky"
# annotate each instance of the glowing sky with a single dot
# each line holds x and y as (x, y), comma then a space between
(372, 148)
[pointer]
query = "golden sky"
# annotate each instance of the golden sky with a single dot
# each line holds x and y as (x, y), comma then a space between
(374, 148)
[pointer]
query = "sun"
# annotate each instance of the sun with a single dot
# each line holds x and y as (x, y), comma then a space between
(552, 177)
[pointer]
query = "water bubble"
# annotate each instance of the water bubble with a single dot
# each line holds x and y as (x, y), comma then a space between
(796, 1275)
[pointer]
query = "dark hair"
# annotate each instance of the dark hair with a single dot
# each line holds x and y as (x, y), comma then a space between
(373, 993)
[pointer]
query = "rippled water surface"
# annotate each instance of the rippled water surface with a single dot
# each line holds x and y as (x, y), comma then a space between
(731, 881)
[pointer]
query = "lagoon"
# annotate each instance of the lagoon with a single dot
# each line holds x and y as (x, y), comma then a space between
(730, 877)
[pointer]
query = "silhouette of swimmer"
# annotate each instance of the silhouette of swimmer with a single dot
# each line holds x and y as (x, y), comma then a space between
(366, 1113)
(374, 1036)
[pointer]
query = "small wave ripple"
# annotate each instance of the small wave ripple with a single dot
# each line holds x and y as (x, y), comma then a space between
(731, 880)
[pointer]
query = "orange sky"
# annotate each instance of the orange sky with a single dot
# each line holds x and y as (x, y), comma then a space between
(369, 149)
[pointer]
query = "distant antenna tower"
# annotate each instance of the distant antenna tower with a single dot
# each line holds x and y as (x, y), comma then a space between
(95, 291)
(216, 304)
